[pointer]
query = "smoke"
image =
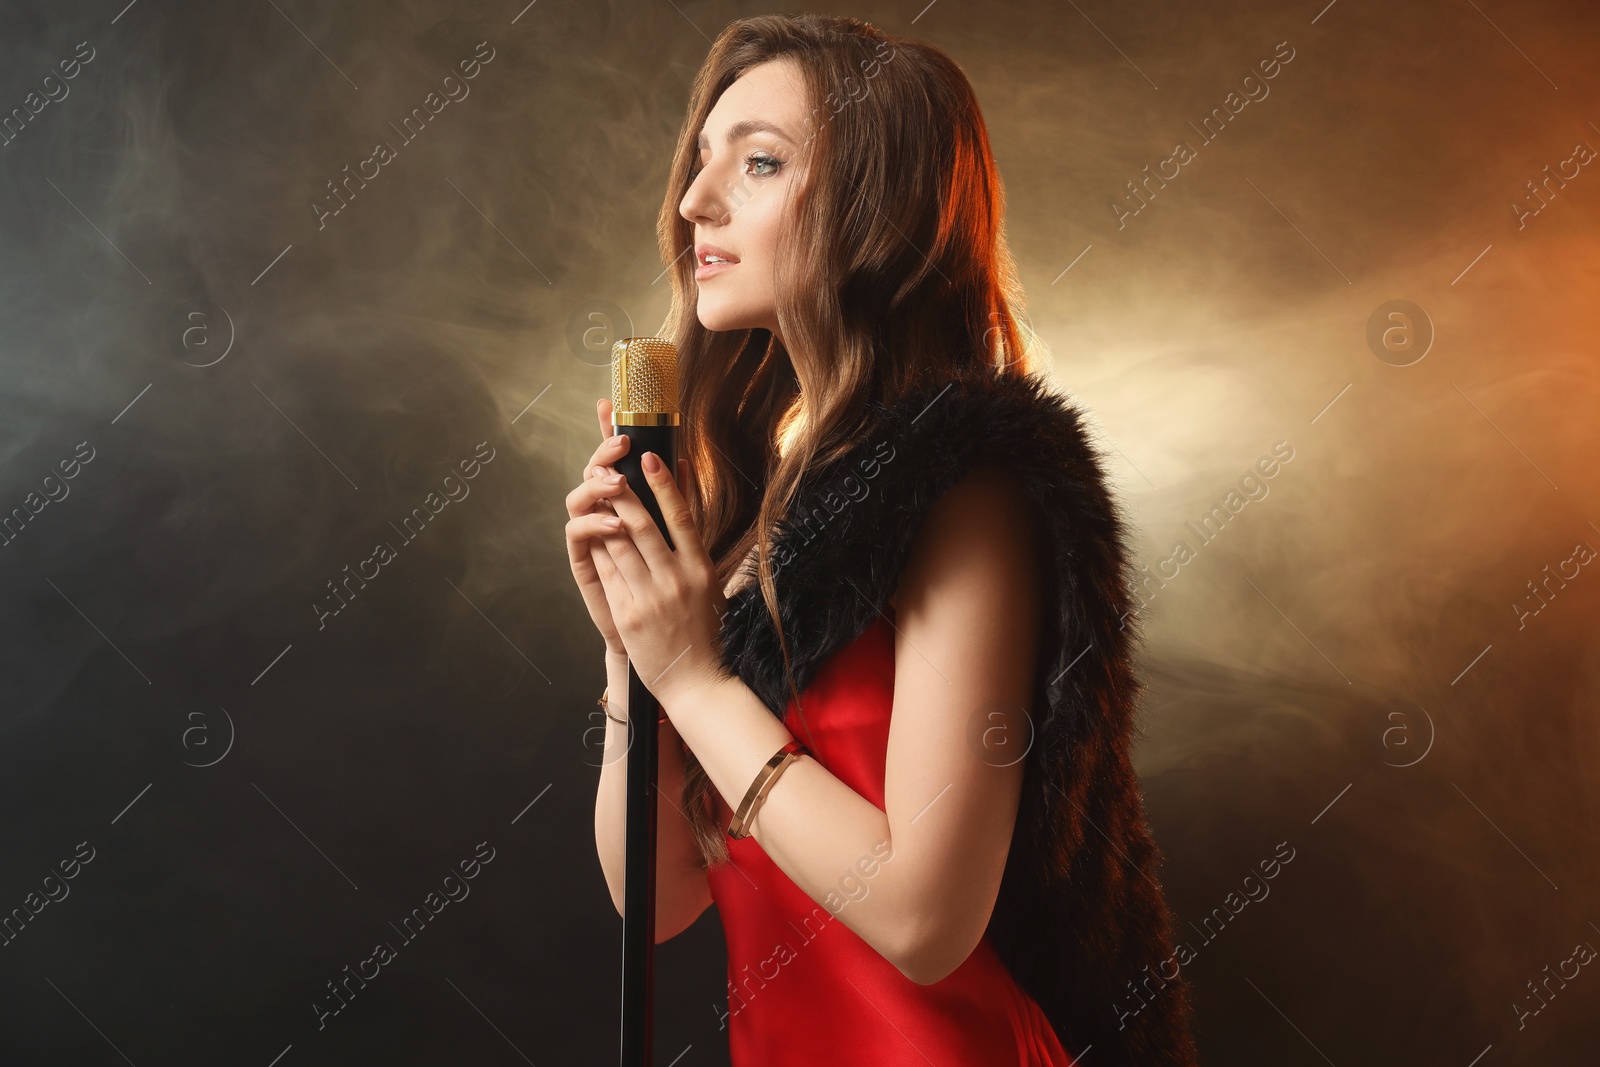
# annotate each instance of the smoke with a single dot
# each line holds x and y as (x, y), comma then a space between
(1378, 260)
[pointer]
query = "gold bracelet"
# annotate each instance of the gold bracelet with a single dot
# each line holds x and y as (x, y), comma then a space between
(605, 707)
(739, 828)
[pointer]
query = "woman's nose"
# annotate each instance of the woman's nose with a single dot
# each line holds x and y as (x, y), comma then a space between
(701, 202)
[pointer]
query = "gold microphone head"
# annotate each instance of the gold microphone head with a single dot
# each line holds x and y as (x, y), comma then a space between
(644, 382)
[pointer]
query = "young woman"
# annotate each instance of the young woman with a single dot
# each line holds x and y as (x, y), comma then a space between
(899, 602)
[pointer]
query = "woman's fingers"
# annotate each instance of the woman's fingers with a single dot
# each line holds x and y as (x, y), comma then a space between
(601, 492)
(648, 544)
(618, 595)
(607, 454)
(591, 491)
(625, 546)
(671, 498)
(674, 510)
(583, 528)
(612, 444)
(585, 534)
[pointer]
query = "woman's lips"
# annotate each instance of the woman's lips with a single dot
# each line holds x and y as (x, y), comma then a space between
(711, 270)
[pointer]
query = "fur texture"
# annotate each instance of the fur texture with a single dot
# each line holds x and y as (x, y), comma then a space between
(1080, 921)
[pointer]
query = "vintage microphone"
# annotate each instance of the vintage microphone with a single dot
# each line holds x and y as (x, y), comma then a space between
(644, 405)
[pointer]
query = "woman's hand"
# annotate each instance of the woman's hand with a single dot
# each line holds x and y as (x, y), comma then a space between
(668, 605)
(590, 516)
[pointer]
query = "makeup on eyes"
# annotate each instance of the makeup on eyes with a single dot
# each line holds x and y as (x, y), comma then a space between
(754, 156)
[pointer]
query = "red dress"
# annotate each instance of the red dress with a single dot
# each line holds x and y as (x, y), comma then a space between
(805, 989)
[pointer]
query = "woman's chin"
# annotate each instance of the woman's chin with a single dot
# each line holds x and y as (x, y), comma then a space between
(720, 320)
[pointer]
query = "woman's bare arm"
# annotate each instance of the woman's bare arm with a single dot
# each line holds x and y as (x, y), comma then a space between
(968, 614)
(682, 891)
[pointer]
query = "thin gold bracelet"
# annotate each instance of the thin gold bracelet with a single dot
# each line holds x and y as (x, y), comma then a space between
(605, 707)
(764, 780)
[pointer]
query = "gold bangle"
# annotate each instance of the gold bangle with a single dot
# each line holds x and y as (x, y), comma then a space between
(739, 828)
(605, 707)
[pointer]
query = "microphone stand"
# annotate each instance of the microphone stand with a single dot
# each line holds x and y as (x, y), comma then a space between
(639, 874)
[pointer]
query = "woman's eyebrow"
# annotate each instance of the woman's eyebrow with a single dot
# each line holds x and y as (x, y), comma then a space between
(743, 128)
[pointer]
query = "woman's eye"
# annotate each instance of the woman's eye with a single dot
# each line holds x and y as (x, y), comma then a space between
(759, 158)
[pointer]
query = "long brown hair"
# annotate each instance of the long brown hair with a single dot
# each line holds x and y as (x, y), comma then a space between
(893, 273)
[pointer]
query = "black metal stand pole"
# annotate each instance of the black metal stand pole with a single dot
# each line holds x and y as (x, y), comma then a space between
(639, 878)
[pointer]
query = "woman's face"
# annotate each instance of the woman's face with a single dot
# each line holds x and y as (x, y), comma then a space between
(750, 154)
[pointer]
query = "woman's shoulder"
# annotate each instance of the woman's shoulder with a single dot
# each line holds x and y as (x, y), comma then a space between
(985, 525)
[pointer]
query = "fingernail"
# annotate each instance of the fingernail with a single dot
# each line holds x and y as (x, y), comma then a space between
(652, 462)
(617, 440)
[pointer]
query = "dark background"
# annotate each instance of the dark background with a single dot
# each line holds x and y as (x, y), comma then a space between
(1343, 669)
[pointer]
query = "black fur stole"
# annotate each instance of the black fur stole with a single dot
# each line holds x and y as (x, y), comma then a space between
(1080, 921)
